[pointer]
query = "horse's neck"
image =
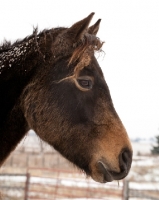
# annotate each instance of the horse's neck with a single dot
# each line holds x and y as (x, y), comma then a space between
(18, 64)
(16, 69)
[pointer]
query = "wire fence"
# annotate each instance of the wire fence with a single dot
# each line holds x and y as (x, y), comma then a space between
(48, 184)
(40, 183)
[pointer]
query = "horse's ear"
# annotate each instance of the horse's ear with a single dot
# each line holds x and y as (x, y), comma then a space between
(94, 28)
(77, 30)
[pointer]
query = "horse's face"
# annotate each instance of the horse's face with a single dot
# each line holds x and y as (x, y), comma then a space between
(70, 107)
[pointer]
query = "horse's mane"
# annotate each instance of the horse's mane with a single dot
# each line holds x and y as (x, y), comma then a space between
(87, 41)
(7, 45)
(81, 49)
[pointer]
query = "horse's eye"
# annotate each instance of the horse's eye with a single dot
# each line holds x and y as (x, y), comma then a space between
(85, 82)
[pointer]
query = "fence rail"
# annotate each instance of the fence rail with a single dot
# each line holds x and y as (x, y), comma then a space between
(14, 186)
(62, 184)
(55, 184)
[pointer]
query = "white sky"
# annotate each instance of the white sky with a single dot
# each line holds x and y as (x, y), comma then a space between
(131, 64)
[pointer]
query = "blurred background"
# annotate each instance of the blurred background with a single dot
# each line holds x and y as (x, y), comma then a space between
(130, 30)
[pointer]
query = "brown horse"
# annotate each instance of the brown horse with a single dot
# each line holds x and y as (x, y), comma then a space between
(51, 82)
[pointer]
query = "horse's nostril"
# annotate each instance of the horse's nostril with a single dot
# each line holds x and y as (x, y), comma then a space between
(125, 159)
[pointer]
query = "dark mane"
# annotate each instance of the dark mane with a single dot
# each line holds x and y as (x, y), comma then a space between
(37, 43)
(7, 45)
(89, 41)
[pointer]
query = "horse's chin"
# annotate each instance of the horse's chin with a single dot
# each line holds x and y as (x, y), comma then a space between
(98, 175)
(102, 178)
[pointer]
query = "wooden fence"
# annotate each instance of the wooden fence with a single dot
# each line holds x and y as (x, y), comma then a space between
(42, 184)
(48, 184)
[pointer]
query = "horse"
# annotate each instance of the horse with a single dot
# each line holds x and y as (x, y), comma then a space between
(52, 83)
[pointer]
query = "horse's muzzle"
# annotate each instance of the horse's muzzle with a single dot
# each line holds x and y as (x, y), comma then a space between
(125, 160)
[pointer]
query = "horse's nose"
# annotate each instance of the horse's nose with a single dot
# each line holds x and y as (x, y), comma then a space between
(125, 159)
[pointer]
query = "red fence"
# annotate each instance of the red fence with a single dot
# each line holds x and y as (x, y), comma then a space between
(48, 184)
(40, 184)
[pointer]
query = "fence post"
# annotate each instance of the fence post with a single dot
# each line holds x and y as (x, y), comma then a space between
(26, 192)
(125, 189)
